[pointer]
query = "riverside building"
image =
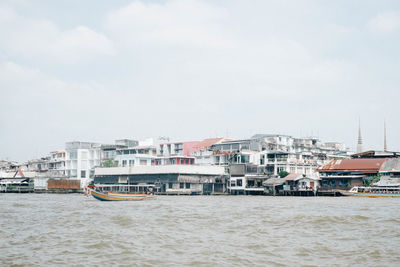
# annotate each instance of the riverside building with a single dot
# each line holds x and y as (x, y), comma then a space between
(81, 158)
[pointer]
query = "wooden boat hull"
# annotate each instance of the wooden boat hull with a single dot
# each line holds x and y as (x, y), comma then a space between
(120, 196)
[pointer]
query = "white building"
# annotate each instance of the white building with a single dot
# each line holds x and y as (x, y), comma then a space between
(136, 156)
(56, 162)
(276, 153)
(80, 160)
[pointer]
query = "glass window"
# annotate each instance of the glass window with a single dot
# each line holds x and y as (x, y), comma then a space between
(83, 174)
(187, 185)
(73, 155)
(170, 185)
(84, 164)
(84, 154)
(239, 182)
(181, 185)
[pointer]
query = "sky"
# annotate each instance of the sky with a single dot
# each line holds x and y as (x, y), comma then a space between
(104, 70)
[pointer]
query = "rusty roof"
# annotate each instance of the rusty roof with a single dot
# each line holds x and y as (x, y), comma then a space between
(351, 165)
(292, 176)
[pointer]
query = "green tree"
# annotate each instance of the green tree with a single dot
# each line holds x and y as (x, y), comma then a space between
(283, 174)
(109, 163)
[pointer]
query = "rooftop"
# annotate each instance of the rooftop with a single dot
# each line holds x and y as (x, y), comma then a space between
(352, 165)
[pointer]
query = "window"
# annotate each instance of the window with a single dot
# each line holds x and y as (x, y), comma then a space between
(170, 185)
(84, 164)
(73, 155)
(181, 185)
(124, 163)
(83, 174)
(239, 182)
(131, 162)
(122, 180)
(187, 185)
(84, 154)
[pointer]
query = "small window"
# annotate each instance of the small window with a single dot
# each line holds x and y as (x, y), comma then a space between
(187, 185)
(181, 185)
(170, 185)
(239, 182)
(83, 174)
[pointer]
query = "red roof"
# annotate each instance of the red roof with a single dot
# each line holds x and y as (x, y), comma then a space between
(362, 164)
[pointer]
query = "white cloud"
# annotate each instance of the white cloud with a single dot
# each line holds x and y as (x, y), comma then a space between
(42, 39)
(385, 22)
(176, 22)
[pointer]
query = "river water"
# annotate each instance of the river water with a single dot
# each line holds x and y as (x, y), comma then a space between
(73, 230)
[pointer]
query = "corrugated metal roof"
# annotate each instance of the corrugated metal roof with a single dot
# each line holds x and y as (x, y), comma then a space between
(292, 176)
(365, 165)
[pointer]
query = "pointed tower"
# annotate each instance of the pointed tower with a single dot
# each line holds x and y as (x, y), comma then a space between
(384, 136)
(359, 143)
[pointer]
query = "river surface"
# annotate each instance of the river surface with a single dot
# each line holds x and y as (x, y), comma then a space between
(73, 230)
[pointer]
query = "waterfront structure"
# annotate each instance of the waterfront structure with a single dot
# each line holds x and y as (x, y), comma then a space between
(300, 185)
(363, 168)
(275, 153)
(245, 180)
(80, 160)
(346, 173)
(168, 179)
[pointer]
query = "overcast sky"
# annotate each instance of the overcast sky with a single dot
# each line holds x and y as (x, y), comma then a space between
(102, 70)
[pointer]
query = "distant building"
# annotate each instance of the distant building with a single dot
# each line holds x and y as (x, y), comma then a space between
(80, 160)
(275, 153)
(57, 162)
(126, 142)
(178, 148)
(346, 173)
(168, 179)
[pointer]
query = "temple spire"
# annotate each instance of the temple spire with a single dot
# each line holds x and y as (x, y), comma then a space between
(359, 143)
(384, 136)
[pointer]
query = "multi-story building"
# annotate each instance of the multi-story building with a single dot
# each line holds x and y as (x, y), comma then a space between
(136, 156)
(177, 149)
(80, 160)
(202, 153)
(57, 162)
(276, 153)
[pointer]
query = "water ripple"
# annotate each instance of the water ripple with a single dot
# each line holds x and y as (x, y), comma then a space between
(73, 230)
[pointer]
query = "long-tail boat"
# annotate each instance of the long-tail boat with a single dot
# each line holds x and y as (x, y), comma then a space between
(100, 193)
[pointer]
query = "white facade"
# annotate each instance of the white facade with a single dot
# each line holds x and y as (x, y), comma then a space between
(278, 153)
(57, 162)
(163, 169)
(130, 160)
(80, 160)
